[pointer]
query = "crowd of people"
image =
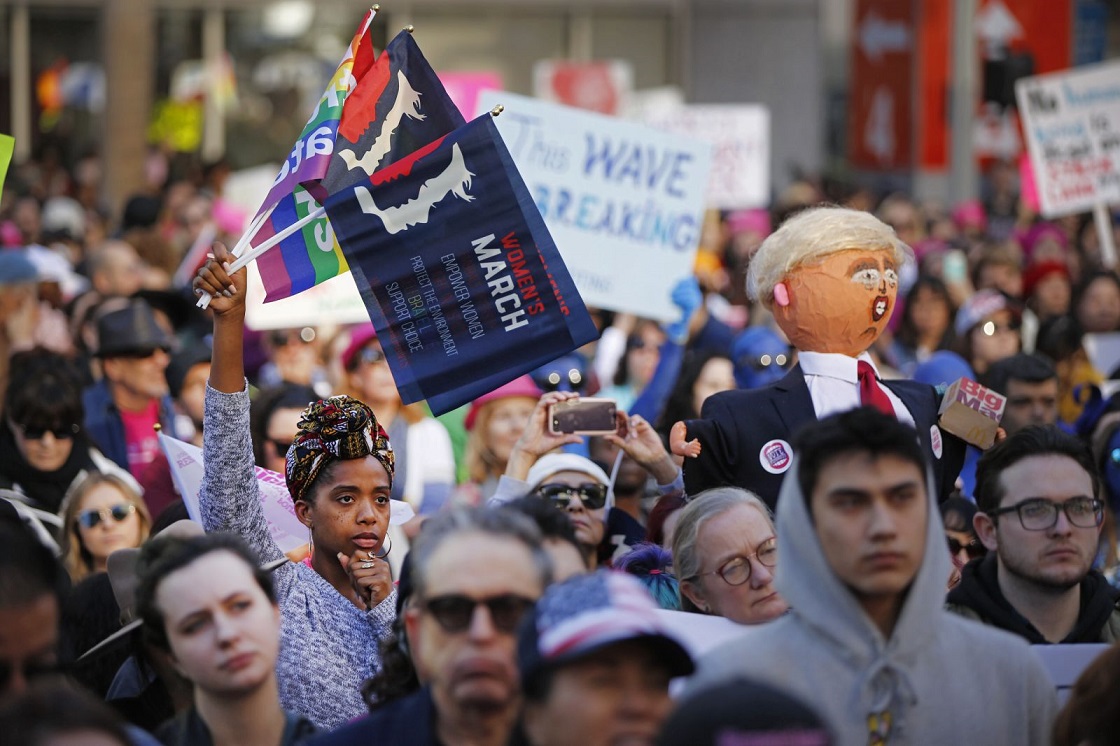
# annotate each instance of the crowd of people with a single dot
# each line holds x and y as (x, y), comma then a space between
(886, 576)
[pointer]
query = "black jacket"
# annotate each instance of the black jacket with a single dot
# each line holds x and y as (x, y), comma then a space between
(739, 431)
(978, 596)
(408, 721)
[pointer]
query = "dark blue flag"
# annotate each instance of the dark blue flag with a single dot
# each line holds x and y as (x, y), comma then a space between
(459, 274)
(397, 106)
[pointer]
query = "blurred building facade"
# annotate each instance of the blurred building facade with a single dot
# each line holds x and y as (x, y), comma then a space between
(116, 76)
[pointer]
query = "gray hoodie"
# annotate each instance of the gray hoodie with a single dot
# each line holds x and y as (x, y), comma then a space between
(944, 679)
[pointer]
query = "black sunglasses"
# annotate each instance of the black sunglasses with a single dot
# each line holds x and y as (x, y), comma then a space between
(973, 548)
(454, 612)
(280, 446)
(592, 494)
(31, 670)
(87, 519)
(60, 432)
(141, 353)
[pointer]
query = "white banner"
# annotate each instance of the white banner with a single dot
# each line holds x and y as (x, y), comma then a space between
(288, 533)
(333, 302)
(740, 140)
(624, 202)
(1072, 123)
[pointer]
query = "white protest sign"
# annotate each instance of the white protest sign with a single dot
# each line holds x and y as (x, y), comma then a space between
(335, 301)
(185, 461)
(1072, 123)
(624, 202)
(740, 139)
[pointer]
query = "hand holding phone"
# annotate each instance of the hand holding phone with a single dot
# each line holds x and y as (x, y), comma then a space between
(583, 417)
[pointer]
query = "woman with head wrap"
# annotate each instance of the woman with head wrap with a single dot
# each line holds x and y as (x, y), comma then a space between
(339, 471)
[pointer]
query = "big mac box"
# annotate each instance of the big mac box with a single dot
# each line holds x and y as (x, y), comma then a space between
(971, 412)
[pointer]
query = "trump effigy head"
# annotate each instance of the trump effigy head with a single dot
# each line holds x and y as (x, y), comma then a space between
(830, 277)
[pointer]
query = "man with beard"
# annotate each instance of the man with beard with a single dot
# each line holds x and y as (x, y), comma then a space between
(1040, 517)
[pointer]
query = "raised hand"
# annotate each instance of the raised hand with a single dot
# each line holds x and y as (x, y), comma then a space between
(227, 291)
(371, 577)
(537, 440)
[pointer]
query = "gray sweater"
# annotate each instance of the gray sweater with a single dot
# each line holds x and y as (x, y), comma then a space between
(328, 646)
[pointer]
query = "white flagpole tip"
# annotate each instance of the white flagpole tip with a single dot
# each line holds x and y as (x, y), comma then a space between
(497, 110)
(376, 8)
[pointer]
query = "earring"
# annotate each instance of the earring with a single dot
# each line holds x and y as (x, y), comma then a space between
(310, 544)
(385, 550)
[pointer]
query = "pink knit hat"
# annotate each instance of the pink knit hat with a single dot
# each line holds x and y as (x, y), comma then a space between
(522, 386)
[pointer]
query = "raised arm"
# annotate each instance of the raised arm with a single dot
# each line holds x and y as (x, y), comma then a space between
(230, 497)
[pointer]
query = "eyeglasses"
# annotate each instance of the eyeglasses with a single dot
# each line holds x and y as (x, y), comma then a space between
(1040, 514)
(592, 494)
(371, 356)
(973, 548)
(737, 570)
(454, 612)
(60, 432)
(87, 519)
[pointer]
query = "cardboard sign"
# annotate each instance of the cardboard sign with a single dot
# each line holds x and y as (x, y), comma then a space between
(740, 140)
(971, 412)
(624, 202)
(1072, 123)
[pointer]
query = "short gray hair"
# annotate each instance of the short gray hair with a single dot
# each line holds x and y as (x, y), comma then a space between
(700, 509)
(813, 234)
(481, 520)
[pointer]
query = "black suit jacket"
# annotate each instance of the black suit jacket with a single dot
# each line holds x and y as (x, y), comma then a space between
(736, 427)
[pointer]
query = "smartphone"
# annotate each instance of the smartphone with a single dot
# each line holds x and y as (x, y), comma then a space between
(583, 417)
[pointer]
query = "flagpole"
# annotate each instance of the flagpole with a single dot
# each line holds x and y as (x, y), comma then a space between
(246, 237)
(256, 251)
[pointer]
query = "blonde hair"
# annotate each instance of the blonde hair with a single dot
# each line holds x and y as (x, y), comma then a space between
(693, 516)
(811, 235)
(76, 558)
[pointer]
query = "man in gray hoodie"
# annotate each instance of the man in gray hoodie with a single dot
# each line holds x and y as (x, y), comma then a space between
(864, 568)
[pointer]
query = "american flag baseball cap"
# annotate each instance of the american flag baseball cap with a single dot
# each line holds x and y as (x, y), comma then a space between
(588, 612)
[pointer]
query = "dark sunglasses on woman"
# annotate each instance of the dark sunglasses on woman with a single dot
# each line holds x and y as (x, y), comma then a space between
(87, 519)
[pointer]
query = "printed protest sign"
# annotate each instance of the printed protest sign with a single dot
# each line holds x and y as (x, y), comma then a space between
(740, 140)
(1072, 123)
(623, 201)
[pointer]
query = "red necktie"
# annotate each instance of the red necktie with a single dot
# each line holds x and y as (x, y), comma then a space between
(871, 394)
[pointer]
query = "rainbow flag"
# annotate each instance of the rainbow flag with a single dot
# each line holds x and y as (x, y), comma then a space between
(312, 254)
(394, 106)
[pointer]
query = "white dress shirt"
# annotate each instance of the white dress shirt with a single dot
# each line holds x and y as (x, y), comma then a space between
(833, 381)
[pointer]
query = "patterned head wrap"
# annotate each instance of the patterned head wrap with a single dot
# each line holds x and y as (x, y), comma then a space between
(340, 427)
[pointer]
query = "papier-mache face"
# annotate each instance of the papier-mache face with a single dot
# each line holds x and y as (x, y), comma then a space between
(840, 303)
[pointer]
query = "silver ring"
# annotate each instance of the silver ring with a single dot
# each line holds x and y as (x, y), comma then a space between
(367, 565)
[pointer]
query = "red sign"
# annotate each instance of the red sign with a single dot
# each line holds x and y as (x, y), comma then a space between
(880, 120)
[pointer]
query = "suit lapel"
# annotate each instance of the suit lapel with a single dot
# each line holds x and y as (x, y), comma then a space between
(793, 402)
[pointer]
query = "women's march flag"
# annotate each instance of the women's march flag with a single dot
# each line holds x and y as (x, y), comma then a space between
(459, 274)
